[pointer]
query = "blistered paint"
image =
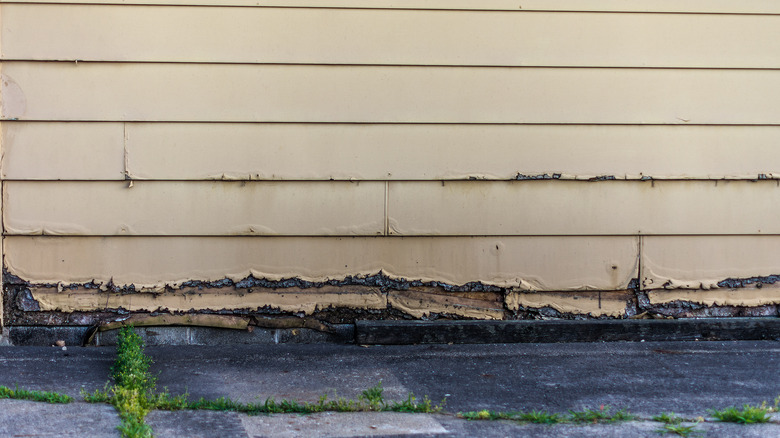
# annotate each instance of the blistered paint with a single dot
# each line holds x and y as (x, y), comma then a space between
(591, 303)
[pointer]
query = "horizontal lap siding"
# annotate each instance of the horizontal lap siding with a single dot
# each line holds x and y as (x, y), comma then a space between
(365, 36)
(194, 208)
(572, 208)
(67, 151)
(457, 208)
(261, 151)
(294, 93)
(602, 263)
(701, 262)
(681, 6)
(397, 99)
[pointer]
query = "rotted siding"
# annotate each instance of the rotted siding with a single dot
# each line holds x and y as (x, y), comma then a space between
(544, 151)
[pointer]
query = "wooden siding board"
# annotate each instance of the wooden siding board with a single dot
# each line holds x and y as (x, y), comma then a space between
(58, 151)
(208, 92)
(702, 262)
(194, 208)
(531, 263)
(441, 152)
(674, 6)
(578, 208)
(244, 151)
(365, 36)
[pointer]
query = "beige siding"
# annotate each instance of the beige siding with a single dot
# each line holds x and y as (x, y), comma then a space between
(701, 262)
(459, 208)
(294, 93)
(572, 208)
(377, 36)
(532, 263)
(134, 132)
(440, 152)
(54, 151)
(202, 208)
(706, 6)
(157, 151)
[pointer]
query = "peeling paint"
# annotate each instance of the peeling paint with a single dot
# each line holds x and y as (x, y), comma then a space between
(611, 304)
(718, 297)
(188, 300)
(521, 177)
(424, 304)
(742, 282)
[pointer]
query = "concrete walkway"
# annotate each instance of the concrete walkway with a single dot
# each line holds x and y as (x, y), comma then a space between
(647, 378)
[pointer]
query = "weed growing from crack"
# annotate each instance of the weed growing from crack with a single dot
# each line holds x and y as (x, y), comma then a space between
(132, 394)
(673, 424)
(39, 396)
(536, 417)
(602, 415)
(668, 418)
(540, 417)
(747, 415)
(679, 429)
(371, 399)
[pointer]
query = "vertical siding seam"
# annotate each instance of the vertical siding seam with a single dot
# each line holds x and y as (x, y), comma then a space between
(124, 149)
(640, 283)
(387, 201)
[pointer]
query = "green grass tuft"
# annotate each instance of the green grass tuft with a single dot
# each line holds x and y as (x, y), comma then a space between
(679, 429)
(371, 399)
(747, 415)
(540, 417)
(668, 418)
(39, 396)
(602, 415)
(133, 393)
(536, 417)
